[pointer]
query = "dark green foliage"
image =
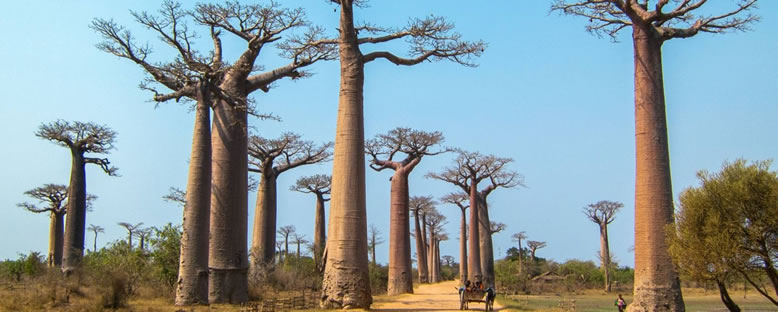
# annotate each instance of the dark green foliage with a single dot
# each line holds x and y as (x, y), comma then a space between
(30, 265)
(379, 278)
(165, 253)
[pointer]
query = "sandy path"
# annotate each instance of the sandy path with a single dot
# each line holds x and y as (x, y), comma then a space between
(427, 297)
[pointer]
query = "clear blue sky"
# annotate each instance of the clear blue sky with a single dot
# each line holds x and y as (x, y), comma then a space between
(554, 98)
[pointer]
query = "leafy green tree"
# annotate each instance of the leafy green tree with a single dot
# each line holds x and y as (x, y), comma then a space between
(729, 226)
(165, 251)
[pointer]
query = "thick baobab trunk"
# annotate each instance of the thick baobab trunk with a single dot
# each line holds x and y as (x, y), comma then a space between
(430, 255)
(228, 256)
(319, 234)
(463, 248)
(73, 244)
(474, 258)
(421, 262)
(431, 259)
(346, 282)
(657, 287)
(605, 255)
(56, 231)
(192, 284)
(263, 241)
(485, 241)
(400, 274)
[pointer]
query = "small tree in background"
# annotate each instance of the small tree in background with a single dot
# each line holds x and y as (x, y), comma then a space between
(533, 247)
(413, 145)
(54, 197)
(603, 213)
(96, 229)
(374, 239)
(318, 185)
(81, 139)
(271, 158)
(131, 230)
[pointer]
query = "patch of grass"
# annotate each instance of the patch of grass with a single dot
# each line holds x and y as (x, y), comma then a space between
(694, 299)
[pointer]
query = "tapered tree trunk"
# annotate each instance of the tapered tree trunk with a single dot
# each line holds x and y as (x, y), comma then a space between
(463, 248)
(372, 255)
(129, 240)
(725, 298)
(657, 287)
(263, 241)
(605, 255)
(400, 270)
(192, 286)
(73, 243)
(319, 234)
(228, 255)
(298, 250)
(431, 258)
(346, 282)
(487, 249)
(426, 247)
(94, 248)
(521, 258)
(286, 246)
(56, 231)
(421, 258)
(474, 259)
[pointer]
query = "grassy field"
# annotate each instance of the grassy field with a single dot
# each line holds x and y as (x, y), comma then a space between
(696, 300)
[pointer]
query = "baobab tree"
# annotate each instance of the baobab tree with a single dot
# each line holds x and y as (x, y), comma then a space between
(318, 185)
(419, 206)
(96, 229)
(142, 234)
(271, 158)
(286, 231)
(449, 260)
(81, 138)
(435, 222)
(53, 198)
(131, 230)
(470, 169)
(518, 237)
(460, 199)
(657, 286)
(346, 283)
(374, 239)
(533, 247)
(299, 240)
(223, 86)
(603, 213)
(412, 145)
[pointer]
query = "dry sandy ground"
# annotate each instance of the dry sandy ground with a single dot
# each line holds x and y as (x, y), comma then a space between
(427, 297)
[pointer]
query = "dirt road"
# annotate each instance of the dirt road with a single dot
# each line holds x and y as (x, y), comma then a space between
(427, 297)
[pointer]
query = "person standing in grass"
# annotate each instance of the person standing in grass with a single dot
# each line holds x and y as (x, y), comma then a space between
(620, 303)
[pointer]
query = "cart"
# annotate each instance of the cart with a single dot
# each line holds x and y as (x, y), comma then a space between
(476, 295)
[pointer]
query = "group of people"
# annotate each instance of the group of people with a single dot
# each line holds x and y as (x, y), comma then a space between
(478, 286)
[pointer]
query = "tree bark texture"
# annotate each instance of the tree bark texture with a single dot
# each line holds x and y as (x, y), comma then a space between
(463, 248)
(56, 232)
(485, 241)
(346, 282)
(73, 243)
(319, 234)
(228, 255)
(474, 258)
(657, 287)
(725, 298)
(263, 241)
(421, 258)
(431, 258)
(605, 255)
(192, 286)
